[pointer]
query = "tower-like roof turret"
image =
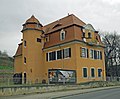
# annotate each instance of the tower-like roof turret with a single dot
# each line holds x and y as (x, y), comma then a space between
(32, 23)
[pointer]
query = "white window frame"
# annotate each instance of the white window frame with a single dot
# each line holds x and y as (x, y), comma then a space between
(92, 57)
(85, 52)
(83, 72)
(56, 54)
(62, 33)
(49, 57)
(97, 73)
(67, 52)
(91, 72)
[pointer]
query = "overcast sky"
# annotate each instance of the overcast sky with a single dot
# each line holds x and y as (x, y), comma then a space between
(102, 14)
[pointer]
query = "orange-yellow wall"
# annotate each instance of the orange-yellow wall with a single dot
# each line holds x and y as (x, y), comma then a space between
(18, 66)
(89, 63)
(34, 56)
(67, 64)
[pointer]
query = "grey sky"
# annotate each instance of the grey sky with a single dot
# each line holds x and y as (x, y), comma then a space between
(102, 14)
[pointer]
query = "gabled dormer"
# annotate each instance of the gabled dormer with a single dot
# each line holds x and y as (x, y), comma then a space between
(90, 35)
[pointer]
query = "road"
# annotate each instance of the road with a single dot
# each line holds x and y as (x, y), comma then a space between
(103, 94)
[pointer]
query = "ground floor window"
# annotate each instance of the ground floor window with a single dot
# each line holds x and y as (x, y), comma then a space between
(99, 72)
(92, 72)
(84, 72)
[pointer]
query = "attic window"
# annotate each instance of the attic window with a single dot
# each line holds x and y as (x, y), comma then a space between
(83, 35)
(57, 25)
(62, 35)
(89, 35)
(47, 39)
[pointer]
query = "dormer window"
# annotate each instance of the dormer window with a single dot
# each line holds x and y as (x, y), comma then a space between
(83, 35)
(62, 35)
(89, 35)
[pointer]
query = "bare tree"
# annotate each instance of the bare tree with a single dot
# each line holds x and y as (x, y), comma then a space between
(112, 52)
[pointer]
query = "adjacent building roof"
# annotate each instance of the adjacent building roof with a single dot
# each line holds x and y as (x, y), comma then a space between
(19, 50)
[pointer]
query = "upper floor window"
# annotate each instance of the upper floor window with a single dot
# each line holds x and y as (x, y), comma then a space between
(62, 35)
(24, 60)
(95, 54)
(47, 39)
(84, 52)
(92, 53)
(67, 53)
(59, 54)
(89, 35)
(25, 43)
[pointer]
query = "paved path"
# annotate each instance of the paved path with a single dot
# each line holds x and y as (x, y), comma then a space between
(103, 94)
(55, 95)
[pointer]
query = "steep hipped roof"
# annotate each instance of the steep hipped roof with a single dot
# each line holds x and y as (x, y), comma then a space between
(19, 50)
(61, 23)
(32, 19)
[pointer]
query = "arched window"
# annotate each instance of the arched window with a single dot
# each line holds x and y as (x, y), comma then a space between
(62, 35)
(89, 35)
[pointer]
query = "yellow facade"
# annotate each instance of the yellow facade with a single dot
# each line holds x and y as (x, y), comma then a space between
(36, 67)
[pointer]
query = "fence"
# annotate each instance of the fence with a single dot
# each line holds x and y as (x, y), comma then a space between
(10, 81)
(112, 78)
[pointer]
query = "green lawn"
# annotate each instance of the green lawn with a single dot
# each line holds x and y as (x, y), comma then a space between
(6, 68)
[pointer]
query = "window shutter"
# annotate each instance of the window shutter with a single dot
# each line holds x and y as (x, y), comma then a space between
(60, 54)
(69, 52)
(100, 55)
(63, 53)
(95, 54)
(87, 53)
(46, 56)
(80, 51)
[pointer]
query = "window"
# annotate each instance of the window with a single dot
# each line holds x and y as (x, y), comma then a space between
(95, 54)
(83, 35)
(92, 53)
(89, 35)
(84, 52)
(24, 43)
(52, 56)
(101, 55)
(66, 52)
(24, 60)
(55, 55)
(99, 72)
(84, 72)
(62, 35)
(38, 40)
(59, 54)
(92, 72)
(47, 39)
